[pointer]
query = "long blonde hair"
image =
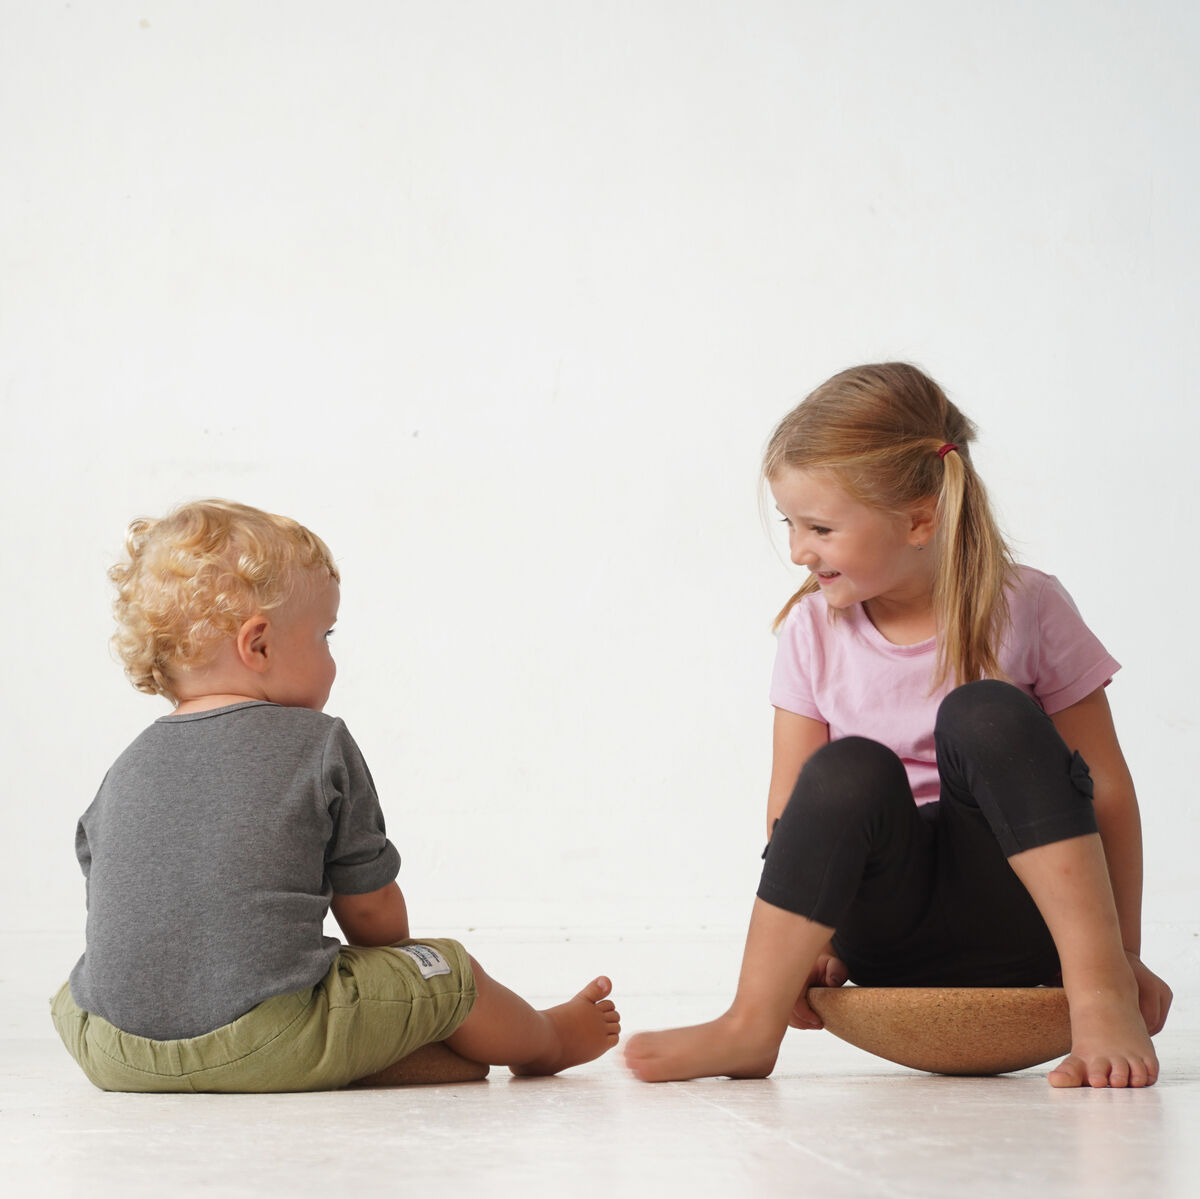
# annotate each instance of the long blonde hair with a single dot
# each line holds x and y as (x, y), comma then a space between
(878, 430)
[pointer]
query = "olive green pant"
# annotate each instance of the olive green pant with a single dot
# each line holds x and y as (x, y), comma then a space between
(373, 1007)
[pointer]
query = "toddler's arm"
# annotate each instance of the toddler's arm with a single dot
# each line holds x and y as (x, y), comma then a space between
(1088, 728)
(376, 918)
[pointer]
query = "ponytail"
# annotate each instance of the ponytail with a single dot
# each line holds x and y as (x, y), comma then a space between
(974, 570)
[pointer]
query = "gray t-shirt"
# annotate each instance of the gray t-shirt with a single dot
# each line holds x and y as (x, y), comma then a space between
(211, 852)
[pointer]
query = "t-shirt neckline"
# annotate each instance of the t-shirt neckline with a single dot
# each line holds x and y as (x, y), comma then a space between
(180, 717)
(861, 622)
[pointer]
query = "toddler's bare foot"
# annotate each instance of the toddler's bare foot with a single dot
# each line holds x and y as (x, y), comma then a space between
(581, 1029)
(722, 1046)
(1109, 1045)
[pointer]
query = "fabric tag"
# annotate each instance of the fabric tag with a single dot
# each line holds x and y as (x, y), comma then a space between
(429, 961)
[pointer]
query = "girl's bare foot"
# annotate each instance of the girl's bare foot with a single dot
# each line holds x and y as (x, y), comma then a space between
(581, 1029)
(1109, 1045)
(725, 1046)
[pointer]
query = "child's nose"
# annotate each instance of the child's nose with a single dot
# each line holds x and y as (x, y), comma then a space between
(801, 554)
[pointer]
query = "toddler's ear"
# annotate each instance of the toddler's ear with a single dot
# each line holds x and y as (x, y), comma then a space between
(253, 643)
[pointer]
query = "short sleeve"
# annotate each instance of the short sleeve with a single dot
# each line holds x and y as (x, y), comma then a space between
(791, 679)
(1071, 661)
(358, 857)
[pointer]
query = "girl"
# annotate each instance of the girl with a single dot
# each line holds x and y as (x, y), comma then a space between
(918, 662)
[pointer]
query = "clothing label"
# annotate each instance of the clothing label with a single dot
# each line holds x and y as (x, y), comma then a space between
(429, 961)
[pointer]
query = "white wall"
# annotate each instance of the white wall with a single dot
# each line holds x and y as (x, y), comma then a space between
(503, 300)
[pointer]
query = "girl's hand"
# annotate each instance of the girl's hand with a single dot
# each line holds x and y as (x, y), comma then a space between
(827, 971)
(1154, 996)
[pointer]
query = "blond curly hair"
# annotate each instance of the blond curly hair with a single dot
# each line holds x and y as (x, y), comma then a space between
(194, 576)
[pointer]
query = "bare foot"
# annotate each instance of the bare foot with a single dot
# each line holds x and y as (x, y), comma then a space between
(1109, 1046)
(581, 1029)
(724, 1046)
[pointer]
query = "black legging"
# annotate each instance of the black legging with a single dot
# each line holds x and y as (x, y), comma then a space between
(925, 895)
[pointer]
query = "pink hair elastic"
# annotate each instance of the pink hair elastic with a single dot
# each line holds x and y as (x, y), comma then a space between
(946, 449)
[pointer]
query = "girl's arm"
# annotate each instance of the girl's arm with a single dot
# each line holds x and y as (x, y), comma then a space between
(376, 918)
(1087, 727)
(795, 740)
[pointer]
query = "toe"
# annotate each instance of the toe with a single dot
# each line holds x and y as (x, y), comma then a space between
(596, 989)
(1119, 1074)
(634, 1061)
(1068, 1073)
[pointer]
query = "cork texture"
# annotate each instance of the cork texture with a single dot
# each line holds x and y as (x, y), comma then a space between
(950, 1030)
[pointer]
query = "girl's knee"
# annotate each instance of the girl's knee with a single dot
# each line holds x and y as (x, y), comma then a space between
(849, 775)
(987, 711)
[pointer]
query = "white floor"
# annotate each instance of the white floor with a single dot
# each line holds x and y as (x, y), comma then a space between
(832, 1121)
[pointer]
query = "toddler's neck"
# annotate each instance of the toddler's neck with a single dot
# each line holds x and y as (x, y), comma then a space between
(206, 703)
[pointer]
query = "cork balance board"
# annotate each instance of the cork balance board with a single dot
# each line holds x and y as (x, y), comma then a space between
(950, 1030)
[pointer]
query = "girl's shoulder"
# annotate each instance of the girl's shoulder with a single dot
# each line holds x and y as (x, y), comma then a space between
(1034, 594)
(809, 613)
(1029, 579)
(1027, 585)
(1049, 650)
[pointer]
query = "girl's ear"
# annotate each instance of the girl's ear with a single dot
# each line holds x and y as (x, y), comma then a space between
(253, 643)
(923, 521)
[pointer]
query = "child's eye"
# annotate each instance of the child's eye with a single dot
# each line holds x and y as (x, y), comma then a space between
(330, 634)
(820, 530)
(787, 520)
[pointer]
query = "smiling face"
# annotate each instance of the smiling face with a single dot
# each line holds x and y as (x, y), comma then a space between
(857, 554)
(302, 668)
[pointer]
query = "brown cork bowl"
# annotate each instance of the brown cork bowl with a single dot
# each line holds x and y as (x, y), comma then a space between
(950, 1030)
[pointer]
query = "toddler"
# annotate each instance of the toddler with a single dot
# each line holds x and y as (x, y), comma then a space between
(221, 837)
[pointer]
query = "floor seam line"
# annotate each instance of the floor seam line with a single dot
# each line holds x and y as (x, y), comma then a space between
(833, 1163)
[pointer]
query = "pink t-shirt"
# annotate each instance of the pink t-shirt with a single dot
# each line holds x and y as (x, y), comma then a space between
(844, 673)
